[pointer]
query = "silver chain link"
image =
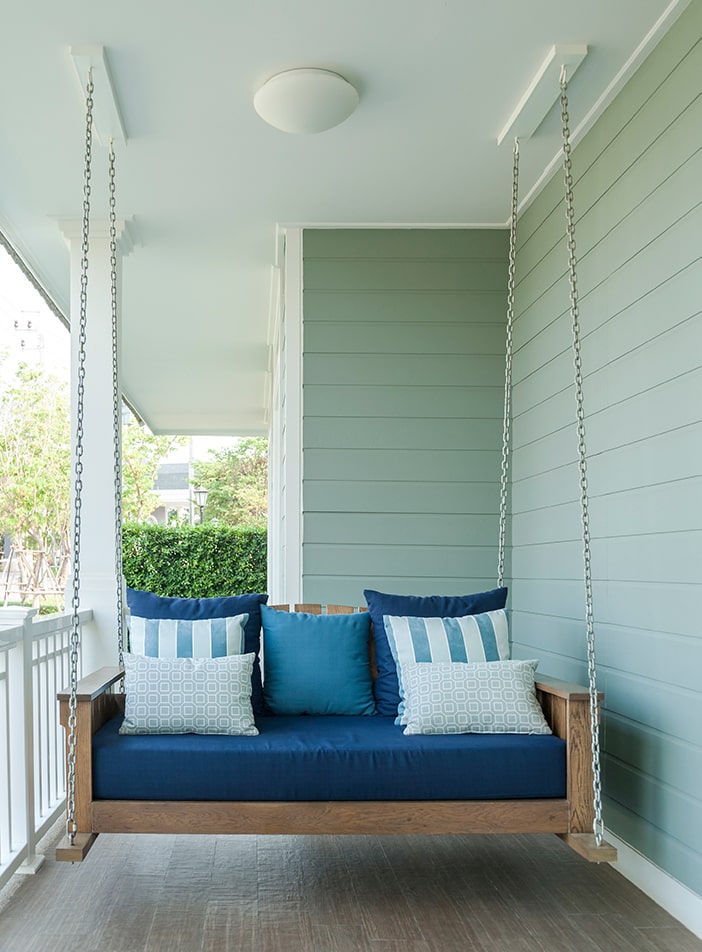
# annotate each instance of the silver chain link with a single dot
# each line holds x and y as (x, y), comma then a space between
(116, 405)
(598, 826)
(502, 535)
(78, 471)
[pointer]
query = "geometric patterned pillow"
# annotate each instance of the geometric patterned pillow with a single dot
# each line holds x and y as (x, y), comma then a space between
(177, 638)
(481, 637)
(188, 695)
(496, 697)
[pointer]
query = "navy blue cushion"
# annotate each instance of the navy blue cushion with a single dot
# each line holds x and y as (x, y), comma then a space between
(387, 690)
(326, 758)
(148, 605)
(316, 664)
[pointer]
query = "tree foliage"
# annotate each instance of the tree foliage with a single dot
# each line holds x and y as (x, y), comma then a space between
(142, 454)
(35, 473)
(35, 459)
(237, 483)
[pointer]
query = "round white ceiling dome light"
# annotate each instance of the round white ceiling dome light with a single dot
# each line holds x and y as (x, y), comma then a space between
(305, 101)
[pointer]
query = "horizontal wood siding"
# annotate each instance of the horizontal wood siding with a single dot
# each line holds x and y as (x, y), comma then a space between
(638, 198)
(403, 370)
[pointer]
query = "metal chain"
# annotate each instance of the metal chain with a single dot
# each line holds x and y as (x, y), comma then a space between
(502, 535)
(71, 828)
(598, 826)
(116, 405)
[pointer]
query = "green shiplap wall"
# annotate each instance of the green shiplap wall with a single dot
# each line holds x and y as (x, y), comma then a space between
(403, 370)
(638, 198)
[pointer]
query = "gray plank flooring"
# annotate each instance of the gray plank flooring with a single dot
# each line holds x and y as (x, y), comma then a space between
(333, 894)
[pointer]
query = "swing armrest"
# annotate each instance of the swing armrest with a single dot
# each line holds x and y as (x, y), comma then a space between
(564, 689)
(93, 685)
(95, 706)
(566, 707)
(95, 703)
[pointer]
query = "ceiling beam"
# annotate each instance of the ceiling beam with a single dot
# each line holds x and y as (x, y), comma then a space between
(107, 118)
(542, 92)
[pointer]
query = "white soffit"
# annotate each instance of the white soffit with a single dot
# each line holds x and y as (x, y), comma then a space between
(543, 91)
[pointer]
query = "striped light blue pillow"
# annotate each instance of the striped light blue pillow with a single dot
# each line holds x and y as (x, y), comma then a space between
(483, 637)
(180, 638)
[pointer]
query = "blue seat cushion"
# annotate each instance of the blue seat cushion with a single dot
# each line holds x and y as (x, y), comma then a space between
(328, 757)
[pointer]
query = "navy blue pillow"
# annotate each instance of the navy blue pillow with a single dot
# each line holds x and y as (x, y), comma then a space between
(387, 689)
(148, 605)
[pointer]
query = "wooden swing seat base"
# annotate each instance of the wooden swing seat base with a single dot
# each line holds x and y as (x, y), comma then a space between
(565, 706)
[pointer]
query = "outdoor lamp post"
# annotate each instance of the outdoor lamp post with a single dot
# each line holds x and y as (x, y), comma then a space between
(200, 495)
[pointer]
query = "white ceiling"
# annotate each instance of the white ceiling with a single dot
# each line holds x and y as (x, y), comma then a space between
(205, 181)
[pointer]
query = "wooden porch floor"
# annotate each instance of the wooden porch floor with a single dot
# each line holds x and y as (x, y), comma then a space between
(333, 894)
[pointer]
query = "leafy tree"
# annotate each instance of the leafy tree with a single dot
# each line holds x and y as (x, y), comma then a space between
(142, 454)
(35, 473)
(35, 466)
(35, 458)
(237, 483)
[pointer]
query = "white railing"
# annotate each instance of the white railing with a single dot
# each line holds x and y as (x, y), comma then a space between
(34, 666)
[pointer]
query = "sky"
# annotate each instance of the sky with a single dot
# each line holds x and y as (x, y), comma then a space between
(39, 336)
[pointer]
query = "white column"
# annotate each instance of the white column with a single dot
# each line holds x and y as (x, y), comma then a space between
(97, 538)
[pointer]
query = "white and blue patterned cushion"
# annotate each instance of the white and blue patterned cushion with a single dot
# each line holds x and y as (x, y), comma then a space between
(496, 697)
(183, 638)
(188, 695)
(482, 637)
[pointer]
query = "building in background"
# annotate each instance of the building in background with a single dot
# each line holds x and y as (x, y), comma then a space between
(174, 487)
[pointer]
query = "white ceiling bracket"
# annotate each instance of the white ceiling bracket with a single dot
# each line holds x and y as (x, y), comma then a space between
(542, 92)
(107, 118)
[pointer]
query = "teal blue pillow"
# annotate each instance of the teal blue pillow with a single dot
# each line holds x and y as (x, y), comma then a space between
(316, 664)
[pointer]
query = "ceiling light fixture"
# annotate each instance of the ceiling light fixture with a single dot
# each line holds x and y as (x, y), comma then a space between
(304, 101)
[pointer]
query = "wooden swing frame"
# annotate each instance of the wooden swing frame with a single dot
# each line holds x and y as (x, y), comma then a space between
(566, 708)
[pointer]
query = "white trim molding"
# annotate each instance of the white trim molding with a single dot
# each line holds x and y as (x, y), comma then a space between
(285, 443)
(293, 414)
(671, 895)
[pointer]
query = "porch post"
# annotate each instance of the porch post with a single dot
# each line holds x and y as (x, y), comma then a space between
(97, 548)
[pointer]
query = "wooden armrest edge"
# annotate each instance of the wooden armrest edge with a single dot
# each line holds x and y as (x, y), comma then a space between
(565, 689)
(93, 685)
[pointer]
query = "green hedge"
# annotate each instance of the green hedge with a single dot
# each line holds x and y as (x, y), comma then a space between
(194, 561)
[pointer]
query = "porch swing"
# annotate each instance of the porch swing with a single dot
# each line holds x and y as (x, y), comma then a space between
(572, 712)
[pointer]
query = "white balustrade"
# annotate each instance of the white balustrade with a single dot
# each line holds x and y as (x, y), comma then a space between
(34, 666)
